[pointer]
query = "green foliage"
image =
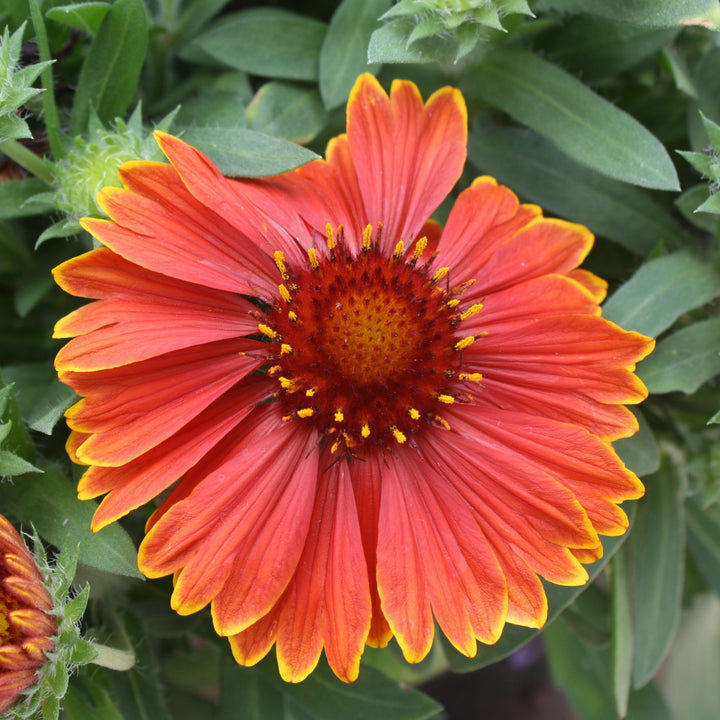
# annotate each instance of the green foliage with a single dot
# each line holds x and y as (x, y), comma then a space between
(247, 152)
(109, 75)
(463, 25)
(580, 122)
(273, 43)
(16, 83)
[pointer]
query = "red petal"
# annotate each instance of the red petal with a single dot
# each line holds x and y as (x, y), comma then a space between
(407, 156)
(252, 644)
(236, 536)
(33, 622)
(461, 577)
(247, 206)
(150, 401)
(483, 217)
(164, 229)
(103, 274)
(142, 479)
(401, 572)
(328, 600)
(367, 484)
(580, 461)
(533, 512)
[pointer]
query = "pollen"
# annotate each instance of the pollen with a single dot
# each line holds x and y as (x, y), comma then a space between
(398, 434)
(330, 233)
(279, 258)
(472, 310)
(373, 340)
(285, 293)
(313, 257)
(268, 331)
(465, 342)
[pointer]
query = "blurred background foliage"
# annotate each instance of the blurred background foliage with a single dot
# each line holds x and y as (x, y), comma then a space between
(601, 111)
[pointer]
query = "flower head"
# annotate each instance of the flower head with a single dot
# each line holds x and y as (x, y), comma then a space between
(93, 161)
(371, 423)
(27, 627)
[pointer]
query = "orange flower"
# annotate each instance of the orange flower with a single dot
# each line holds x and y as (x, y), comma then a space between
(371, 423)
(26, 628)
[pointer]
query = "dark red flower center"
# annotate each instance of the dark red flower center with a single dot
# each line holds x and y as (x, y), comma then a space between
(367, 346)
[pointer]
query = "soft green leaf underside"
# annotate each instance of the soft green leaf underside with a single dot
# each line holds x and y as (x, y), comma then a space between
(580, 122)
(49, 501)
(247, 153)
(684, 360)
(270, 42)
(661, 291)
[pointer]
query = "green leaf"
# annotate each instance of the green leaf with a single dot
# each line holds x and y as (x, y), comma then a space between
(388, 44)
(288, 111)
(323, 697)
(655, 564)
(110, 73)
(57, 678)
(50, 503)
(270, 42)
(248, 694)
(584, 673)
(50, 708)
(16, 439)
(73, 610)
(343, 55)
(622, 633)
(661, 291)
(61, 229)
(596, 48)
(514, 636)
(640, 452)
(11, 464)
(693, 667)
(85, 17)
(247, 153)
(703, 539)
(138, 692)
(541, 173)
(711, 205)
(581, 123)
(655, 13)
(684, 360)
(41, 397)
(16, 196)
(83, 652)
(98, 706)
(220, 103)
(688, 204)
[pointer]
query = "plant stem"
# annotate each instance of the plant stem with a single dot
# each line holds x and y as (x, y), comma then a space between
(113, 658)
(26, 158)
(52, 119)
